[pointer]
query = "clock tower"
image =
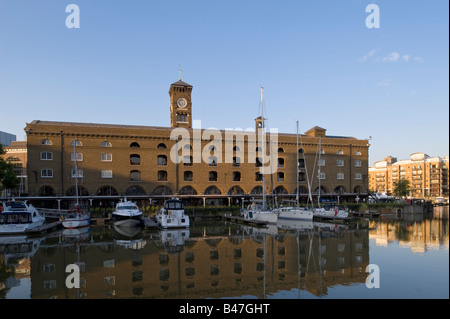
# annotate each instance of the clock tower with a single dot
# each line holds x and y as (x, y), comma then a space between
(180, 104)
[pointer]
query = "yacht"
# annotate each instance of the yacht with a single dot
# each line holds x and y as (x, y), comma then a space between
(329, 212)
(172, 215)
(19, 217)
(77, 217)
(127, 214)
(256, 211)
(295, 213)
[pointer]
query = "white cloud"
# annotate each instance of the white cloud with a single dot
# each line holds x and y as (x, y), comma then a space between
(394, 56)
(368, 55)
(386, 83)
(391, 57)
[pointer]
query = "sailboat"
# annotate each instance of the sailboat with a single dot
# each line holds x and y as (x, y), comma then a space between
(295, 213)
(258, 211)
(76, 217)
(329, 211)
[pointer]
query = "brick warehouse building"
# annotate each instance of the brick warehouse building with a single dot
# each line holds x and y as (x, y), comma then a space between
(135, 161)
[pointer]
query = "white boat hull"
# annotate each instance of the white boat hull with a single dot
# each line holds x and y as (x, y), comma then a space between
(172, 221)
(262, 216)
(326, 213)
(296, 214)
(20, 228)
(128, 222)
(75, 223)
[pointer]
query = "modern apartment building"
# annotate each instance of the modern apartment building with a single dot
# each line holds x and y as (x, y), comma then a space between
(428, 176)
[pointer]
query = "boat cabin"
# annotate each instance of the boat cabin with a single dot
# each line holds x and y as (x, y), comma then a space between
(173, 204)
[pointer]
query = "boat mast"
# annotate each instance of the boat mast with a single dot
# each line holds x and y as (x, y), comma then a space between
(318, 173)
(76, 169)
(297, 167)
(263, 149)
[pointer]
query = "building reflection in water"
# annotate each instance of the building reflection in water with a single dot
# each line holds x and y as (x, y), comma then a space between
(209, 260)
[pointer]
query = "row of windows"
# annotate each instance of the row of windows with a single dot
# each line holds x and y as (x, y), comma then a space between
(102, 144)
(164, 146)
(135, 159)
(135, 175)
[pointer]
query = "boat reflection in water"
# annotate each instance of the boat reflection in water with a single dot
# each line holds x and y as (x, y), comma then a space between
(213, 259)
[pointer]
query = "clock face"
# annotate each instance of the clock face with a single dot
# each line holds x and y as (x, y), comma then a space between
(181, 102)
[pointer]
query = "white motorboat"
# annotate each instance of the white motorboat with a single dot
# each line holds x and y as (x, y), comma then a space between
(127, 214)
(294, 213)
(172, 215)
(76, 218)
(19, 217)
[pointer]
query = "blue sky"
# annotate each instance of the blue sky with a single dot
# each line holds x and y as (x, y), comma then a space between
(317, 60)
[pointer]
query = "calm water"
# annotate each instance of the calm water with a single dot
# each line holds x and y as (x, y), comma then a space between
(217, 259)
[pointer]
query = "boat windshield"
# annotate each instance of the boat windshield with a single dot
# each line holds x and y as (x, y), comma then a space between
(16, 205)
(128, 207)
(17, 218)
(174, 205)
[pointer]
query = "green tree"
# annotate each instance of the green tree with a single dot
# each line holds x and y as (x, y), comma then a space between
(8, 178)
(401, 188)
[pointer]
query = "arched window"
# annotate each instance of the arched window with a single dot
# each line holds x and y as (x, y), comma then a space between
(106, 157)
(162, 190)
(188, 176)
(106, 173)
(213, 176)
(212, 190)
(46, 142)
(280, 176)
(162, 146)
(107, 191)
(212, 161)
(105, 144)
(46, 191)
(339, 190)
(76, 143)
(236, 176)
(135, 176)
(46, 156)
(162, 176)
(135, 190)
(72, 191)
(135, 159)
(280, 150)
(188, 190)
(256, 190)
(280, 190)
(236, 190)
(135, 145)
(187, 160)
(162, 160)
